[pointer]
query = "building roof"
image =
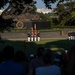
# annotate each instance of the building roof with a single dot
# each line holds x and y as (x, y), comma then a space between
(44, 10)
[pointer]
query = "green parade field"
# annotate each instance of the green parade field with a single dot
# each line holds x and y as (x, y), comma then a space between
(31, 47)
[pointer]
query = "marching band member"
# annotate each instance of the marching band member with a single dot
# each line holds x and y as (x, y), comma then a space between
(29, 36)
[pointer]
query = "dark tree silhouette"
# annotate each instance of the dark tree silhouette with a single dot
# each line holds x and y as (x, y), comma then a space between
(47, 2)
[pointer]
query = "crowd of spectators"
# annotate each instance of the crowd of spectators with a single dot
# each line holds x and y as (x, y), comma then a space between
(44, 63)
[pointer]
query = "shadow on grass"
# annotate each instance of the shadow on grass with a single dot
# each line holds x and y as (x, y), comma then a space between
(31, 47)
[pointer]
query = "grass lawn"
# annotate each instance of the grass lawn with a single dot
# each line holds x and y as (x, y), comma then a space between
(31, 47)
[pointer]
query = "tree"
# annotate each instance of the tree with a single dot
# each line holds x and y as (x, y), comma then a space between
(5, 24)
(66, 14)
(47, 2)
(15, 7)
(3, 3)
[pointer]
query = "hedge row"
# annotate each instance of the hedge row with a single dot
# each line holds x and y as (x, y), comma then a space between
(63, 27)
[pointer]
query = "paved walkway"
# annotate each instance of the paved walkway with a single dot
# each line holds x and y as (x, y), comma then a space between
(23, 36)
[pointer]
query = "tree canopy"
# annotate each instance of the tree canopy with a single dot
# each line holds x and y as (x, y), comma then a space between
(47, 2)
(66, 13)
